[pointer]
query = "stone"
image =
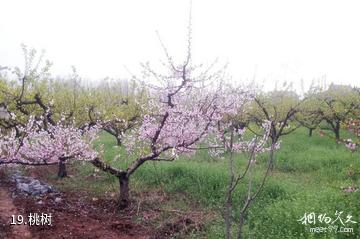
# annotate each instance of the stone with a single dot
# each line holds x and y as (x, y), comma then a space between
(23, 187)
(30, 185)
(58, 200)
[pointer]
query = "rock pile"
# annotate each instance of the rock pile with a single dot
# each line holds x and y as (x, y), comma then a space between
(30, 185)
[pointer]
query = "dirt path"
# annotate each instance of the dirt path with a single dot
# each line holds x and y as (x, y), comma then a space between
(7, 209)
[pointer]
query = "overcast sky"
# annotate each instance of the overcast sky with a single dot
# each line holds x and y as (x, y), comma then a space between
(272, 40)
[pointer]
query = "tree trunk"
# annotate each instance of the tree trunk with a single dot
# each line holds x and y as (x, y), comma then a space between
(310, 132)
(118, 141)
(274, 140)
(62, 173)
(124, 200)
(337, 131)
(240, 226)
(228, 216)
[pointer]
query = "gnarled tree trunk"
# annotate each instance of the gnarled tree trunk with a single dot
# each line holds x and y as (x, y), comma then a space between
(62, 169)
(124, 199)
(337, 131)
(118, 141)
(310, 131)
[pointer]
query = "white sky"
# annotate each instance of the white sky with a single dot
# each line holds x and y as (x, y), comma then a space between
(275, 40)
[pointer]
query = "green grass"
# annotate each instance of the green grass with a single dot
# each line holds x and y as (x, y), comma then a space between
(309, 175)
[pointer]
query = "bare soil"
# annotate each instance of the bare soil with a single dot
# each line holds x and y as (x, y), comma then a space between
(79, 215)
(7, 209)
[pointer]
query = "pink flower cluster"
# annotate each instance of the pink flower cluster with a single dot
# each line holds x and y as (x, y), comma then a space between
(230, 139)
(185, 105)
(181, 116)
(353, 127)
(40, 146)
(352, 146)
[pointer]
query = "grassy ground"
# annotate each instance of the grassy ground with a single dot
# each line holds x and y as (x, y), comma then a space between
(309, 176)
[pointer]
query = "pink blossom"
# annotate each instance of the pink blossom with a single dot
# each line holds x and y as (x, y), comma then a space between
(352, 146)
(40, 146)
